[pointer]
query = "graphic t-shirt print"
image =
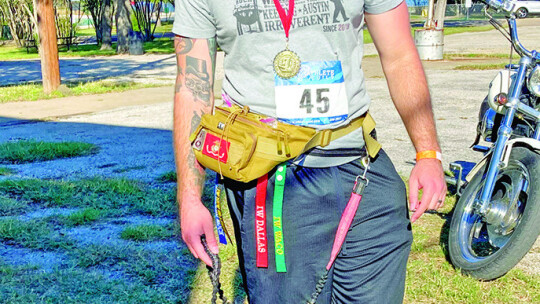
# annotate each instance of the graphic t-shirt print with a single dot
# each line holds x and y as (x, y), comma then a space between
(257, 16)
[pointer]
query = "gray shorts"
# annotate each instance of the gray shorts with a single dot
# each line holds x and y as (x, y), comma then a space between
(372, 263)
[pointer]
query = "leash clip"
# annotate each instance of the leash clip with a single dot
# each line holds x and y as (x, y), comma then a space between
(361, 180)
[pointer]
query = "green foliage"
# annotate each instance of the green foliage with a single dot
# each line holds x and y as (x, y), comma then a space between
(95, 9)
(28, 151)
(9, 206)
(32, 234)
(167, 177)
(452, 56)
(83, 217)
(486, 66)
(32, 92)
(119, 195)
(159, 46)
(23, 284)
(6, 171)
(147, 232)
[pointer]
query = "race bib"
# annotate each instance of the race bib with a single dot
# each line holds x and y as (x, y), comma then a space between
(316, 96)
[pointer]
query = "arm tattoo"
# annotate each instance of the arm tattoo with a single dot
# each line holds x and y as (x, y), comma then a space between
(212, 46)
(197, 79)
(178, 84)
(197, 172)
(195, 121)
(183, 45)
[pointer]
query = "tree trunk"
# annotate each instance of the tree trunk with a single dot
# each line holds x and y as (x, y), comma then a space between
(48, 49)
(106, 25)
(12, 23)
(440, 12)
(123, 26)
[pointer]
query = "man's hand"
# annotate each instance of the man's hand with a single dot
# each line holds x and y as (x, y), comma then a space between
(194, 222)
(427, 175)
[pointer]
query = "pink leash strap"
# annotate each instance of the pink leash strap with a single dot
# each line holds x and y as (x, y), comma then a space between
(347, 217)
(344, 225)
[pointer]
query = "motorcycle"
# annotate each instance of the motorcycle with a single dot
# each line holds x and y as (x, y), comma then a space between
(496, 220)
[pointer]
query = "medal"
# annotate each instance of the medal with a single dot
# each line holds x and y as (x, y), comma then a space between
(286, 62)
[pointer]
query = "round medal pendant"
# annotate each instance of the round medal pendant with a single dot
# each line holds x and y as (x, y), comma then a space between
(286, 64)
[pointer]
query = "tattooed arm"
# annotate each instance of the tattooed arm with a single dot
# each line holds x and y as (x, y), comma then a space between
(193, 97)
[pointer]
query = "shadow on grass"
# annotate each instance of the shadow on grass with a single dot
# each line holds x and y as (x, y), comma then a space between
(81, 69)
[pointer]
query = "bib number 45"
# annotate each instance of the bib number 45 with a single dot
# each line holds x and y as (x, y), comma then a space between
(322, 102)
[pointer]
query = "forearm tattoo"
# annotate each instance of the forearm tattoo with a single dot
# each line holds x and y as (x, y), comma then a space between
(197, 79)
(183, 45)
(197, 171)
(212, 47)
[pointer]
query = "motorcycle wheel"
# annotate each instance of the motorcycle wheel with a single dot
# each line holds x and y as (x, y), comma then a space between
(488, 251)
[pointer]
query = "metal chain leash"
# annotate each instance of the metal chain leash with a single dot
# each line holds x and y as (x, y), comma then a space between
(214, 273)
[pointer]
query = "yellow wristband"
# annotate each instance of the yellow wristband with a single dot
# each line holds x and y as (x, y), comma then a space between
(429, 154)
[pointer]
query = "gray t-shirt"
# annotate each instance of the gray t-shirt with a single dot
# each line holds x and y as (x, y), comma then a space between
(250, 33)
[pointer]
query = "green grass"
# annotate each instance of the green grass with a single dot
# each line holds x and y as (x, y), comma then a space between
(32, 234)
(6, 171)
(120, 272)
(9, 206)
(114, 196)
(486, 66)
(14, 53)
(33, 92)
(28, 151)
(447, 31)
(23, 284)
(478, 56)
(467, 29)
(147, 232)
(158, 46)
(167, 177)
(82, 217)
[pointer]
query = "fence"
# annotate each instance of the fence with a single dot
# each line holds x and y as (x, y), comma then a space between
(453, 11)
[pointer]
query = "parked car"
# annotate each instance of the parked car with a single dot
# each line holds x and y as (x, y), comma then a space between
(527, 7)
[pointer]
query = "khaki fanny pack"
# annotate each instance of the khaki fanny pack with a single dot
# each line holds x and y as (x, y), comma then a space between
(244, 146)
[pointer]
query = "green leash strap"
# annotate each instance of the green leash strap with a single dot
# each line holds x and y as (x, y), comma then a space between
(279, 244)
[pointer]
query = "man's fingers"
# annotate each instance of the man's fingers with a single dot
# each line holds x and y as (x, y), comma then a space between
(192, 250)
(211, 238)
(427, 198)
(435, 202)
(413, 194)
(201, 253)
(441, 199)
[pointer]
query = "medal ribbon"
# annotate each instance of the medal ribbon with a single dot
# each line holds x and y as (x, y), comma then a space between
(260, 222)
(286, 18)
(279, 244)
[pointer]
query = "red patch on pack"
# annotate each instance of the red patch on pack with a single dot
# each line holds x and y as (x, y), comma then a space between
(216, 150)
